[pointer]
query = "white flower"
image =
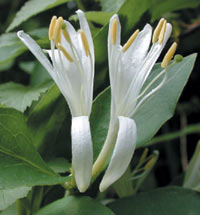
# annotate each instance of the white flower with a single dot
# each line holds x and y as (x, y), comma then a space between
(72, 68)
(129, 68)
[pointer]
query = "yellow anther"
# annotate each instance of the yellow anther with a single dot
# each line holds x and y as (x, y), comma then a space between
(157, 30)
(58, 38)
(66, 35)
(162, 32)
(85, 42)
(57, 28)
(150, 163)
(169, 55)
(130, 40)
(114, 31)
(52, 27)
(64, 51)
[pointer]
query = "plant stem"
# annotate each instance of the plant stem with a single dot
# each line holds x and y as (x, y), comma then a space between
(190, 129)
(183, 142)
(107, 148)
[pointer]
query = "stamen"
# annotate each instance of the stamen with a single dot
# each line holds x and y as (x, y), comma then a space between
(169, 55)
(58, 38)
(162, 32)
(130, 40)
(114, 31)
(57, 28)
(52, 27)
(66, 35)
(85, 43)
(64, 51)
(157, 30)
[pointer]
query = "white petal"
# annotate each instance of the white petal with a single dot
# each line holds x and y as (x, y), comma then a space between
(36, 50)
(118, 36)
(136, 53)
(82, 153)
(145, 70)
(122, 153)
(85, 27)
(72, 33)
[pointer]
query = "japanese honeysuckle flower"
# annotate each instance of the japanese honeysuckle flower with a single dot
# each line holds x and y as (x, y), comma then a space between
(129, 68)
(72, 69)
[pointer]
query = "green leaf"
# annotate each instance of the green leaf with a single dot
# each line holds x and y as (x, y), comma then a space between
(161, 106)
(76, 206)
(20, 97)
(50, 123)
(99, 120)
(20, 164)
(9, 196)
(99, 17)
(152, 114)
(12, 210)
(37, 72)
(11, 46)
(111, 5)
(158, 8)
(31, 8)
(165, 201)
(6, 66)
(59, 165)
(192, 175)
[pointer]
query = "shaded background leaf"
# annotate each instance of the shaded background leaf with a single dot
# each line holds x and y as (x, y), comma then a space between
(165, 201)
(20, 97)
(76, 206)
(9, 196)
(18, 157)
(31, 8)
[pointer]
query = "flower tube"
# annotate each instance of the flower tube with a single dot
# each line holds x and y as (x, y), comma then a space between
(129, 67)
(72, 69)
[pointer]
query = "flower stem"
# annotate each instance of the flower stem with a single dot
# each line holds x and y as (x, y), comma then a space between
(106, 149)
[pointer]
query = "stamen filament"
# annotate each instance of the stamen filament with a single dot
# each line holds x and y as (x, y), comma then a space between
(157, 30)
(85, 43)
(169, 55)
(52, 27)
(162, 32)
(64, 51)
(66, 35)
(165, 71)
(130, 40)
(57, 28)
(114, 31)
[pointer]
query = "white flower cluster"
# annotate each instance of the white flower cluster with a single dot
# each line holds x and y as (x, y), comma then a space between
(72, 69)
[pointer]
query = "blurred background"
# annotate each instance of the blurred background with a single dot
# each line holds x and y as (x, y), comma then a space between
(177, 139)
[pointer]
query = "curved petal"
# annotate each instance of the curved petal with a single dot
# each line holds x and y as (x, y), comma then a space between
(85, 27)
(122, 154)
(145, 69)
(36, 50)
(82, 153)
(137, 51)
